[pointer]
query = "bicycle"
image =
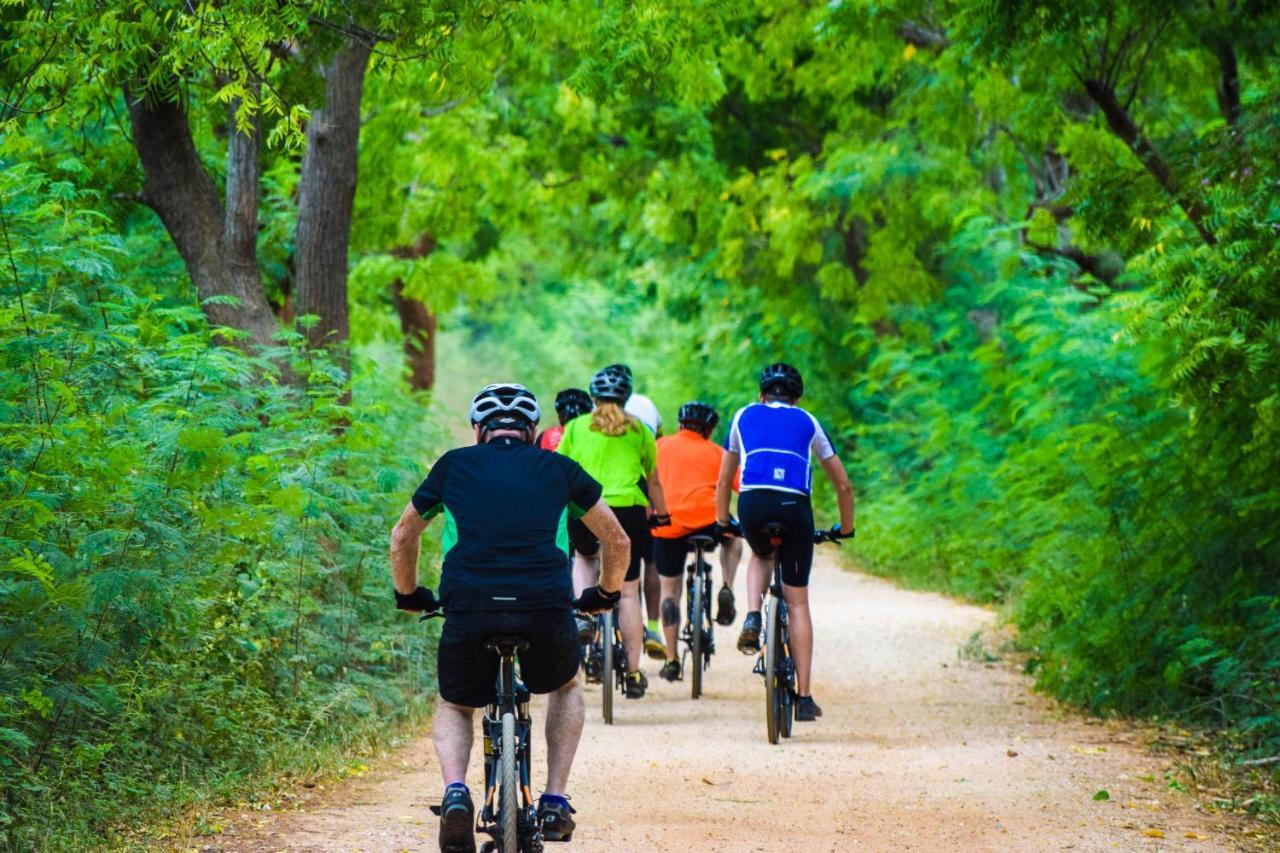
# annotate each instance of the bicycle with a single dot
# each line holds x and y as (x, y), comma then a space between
(509, 815)
(775, 662)
(699, 633)
(606, 662)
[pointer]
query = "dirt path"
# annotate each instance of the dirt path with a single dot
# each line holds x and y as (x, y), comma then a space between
(918, 750)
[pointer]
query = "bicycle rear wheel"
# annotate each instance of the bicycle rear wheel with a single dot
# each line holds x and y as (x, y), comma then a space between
(607, 677)
(509, 797)
(772, 687)
(696, 635)
(786, 683)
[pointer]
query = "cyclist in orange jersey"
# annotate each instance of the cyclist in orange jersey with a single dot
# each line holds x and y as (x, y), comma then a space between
(688, 466)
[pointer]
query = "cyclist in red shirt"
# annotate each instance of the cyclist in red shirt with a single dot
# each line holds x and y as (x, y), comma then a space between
(570, 403)
(688, 466)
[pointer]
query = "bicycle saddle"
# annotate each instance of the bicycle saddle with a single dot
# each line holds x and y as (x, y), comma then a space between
(701, 539)
(506, 645)
(773, 528)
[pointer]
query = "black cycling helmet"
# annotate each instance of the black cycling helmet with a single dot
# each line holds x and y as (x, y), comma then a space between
(625, 370)
(505, 405)
(783, 378)
(699, 414)
(611, 384)
(572, 402)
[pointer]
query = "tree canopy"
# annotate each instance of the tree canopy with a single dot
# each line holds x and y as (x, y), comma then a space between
(1024, 252)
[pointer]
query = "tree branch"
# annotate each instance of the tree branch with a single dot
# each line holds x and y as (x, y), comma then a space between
(1229, 82)
(1124, 127)
(922, 36)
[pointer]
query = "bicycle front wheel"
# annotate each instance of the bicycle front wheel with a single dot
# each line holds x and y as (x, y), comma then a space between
(773, 689)
(696, 636)
(607, 675)
(509, 798)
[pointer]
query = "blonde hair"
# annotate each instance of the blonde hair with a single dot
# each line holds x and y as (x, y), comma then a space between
(609, 419)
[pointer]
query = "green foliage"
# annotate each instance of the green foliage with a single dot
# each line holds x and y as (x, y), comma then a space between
(192, 554)
(1024, 252)
(1056, 393)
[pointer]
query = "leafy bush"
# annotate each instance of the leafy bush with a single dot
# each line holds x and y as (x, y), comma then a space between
(193, 577)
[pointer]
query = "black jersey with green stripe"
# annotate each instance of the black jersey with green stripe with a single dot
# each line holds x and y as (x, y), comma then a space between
(505, 507)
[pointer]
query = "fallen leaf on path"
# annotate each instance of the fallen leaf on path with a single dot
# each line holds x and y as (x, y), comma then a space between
(1153, 833)
(1195, 836)
(707, 781)
(1011, 753)
(1103, 794)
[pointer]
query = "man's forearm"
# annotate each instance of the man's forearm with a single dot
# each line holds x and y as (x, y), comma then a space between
(724, 486)
(404, 550)
(404, 563)
(657, 496)
(834, 469)
(615, 555)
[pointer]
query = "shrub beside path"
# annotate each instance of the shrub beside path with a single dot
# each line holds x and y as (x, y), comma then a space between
(920, 748)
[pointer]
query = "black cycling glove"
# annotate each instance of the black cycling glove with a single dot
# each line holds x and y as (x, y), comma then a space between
(659, 521)
(421, 600)
(596, 600)
(733, 528)
(835, 533)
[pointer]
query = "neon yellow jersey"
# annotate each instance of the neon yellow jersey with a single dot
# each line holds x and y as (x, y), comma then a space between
(617, 462)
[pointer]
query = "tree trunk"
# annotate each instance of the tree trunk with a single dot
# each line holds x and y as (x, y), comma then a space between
(1229, 83)
(1123, 126)
(217, 243)
(417, 323)
(326, 193)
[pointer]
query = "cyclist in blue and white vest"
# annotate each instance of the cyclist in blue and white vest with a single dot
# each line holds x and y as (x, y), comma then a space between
(774, 441)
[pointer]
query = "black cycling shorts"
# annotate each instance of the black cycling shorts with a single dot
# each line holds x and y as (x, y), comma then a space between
(634, 521)
(759, 507)
(467, 673)
(669, 554)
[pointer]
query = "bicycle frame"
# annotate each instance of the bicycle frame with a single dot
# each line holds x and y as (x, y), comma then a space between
(609, 654)
(698, 634)
(510, 697)
(775, 662)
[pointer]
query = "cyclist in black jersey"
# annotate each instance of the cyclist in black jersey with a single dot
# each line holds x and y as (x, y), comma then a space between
(505, 505)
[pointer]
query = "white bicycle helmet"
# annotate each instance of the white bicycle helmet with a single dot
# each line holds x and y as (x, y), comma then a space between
(505, 405)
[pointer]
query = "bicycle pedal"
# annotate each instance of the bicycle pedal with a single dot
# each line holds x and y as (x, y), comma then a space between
(435, 810)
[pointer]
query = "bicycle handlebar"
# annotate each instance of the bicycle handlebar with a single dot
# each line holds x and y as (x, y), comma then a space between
(821, 536)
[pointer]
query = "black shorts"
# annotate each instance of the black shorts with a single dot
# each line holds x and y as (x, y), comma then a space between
(635, 523)
(759, 507)
(467, 672)
(669, 554)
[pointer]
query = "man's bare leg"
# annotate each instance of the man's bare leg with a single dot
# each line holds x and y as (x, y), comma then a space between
(565, 716)
(730, 556)
(630, 623)
(586, 572)
(800, 625)
(759, 571)
(670, 628)
(652, 590)
(453, 731)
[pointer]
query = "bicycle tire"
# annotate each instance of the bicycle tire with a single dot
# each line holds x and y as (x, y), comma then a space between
(607, 675)
(771, 686)
(786, 685)
(695, 636)
(509, 802)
